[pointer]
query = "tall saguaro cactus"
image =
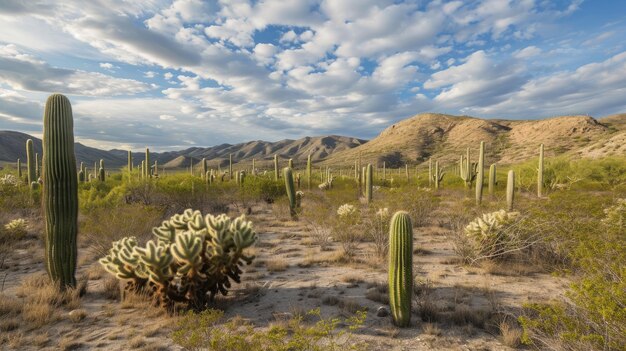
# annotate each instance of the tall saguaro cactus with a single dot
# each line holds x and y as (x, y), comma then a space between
(430, 172)
(480, 176)
(540, 173)
(438, 175)
(308, 172)
(101, 171)
(291, 190)
(492, 179)
(510, 190)
(147, 164)
(468, 169)
(369, 183)
(401, 268)
(30, 161)
(37, 167)
(276, 167)
(204, 168)
(60, 191)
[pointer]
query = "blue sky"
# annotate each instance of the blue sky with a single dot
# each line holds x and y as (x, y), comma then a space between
(174, 74)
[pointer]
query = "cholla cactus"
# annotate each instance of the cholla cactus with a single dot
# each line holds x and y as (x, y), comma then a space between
(383, 214)
(17, 227)
(299, 196)
(191, 259)
(348, 214)
(488, 232)
(616, 215)
(9, 179)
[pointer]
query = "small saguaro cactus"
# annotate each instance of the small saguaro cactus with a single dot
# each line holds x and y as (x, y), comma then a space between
(480, 176)
(510, 190)
(101, 171)
(156, 168)
(468, 169)
(81, 176)
(438, 175)
(401, 268)
(147, 164)
(492, 179)
(291, 190)
(369, 183)
(30, 161)
(540, 173)
(143, 169)
(242, 178)
(60, 191)
(308, 172)
(204, 168)
(276, 167)
(430, 172)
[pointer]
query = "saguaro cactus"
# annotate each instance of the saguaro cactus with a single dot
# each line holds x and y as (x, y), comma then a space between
(204, 168)
(540, 173)
(230, 166)
(291, 190)
(468, 169)
(510, 190)
(30, 161)
(438, 175)
(101, 171)
(401, 268)
(369, 181)
(308, 172)
(37, 167)
(480, 176)
(492, 179)
(130, 161)
(291, 163)
(19, 169)
(60, 191)
(276, 167)
(147, 164)
(430, 172)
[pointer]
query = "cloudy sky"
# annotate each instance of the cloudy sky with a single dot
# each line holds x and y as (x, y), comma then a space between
(174, 74)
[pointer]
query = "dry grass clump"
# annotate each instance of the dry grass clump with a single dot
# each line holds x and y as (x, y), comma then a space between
(511, 335)
(431, 329)
(77, 315)
(276, 265)
(111, 287)
(378, 292)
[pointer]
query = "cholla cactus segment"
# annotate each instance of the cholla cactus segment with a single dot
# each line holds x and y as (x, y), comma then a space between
(122, 260)
(346, 210)
(616, 215)
(17, 226)
(156, 258)
(487, 232)
(9, 179)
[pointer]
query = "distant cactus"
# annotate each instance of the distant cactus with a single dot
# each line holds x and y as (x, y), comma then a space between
(130, 161)
(60, 191)
(401, 268)
(369, 183)
(492, 179)
(101, 171)
(208, 178)
(540, 173)
(242, 178)
(438, 175)
(37, 167)
(510, 190)
(480, 176)
(276, 167)
(467, 169)
(155, 172)
(30, 161)
(81, 176)
(204, 167)
(308, 172)
(291, 191)
(19, 169)
(291, 163)
(430, 172)
(230, 166)
(147, 164)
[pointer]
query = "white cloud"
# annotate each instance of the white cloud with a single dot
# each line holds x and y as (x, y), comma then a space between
(527, 52)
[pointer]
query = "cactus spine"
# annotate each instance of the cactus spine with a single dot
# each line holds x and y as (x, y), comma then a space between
(480, 176)
(492, 179)
(308, 172)
(30, 161)
(276, 167)
(291, 190)
(540, 173)
(60, 191)
(369, 180)
(401, 268)
(510, 190)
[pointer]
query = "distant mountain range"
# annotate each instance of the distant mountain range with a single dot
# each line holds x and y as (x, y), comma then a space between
(412, 140)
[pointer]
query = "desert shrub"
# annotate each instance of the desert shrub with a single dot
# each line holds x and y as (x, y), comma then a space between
(594, 315)
(492, 235)
(376, 226)
(345, 229)
(193, 258)
(265, 189)
(207, 331)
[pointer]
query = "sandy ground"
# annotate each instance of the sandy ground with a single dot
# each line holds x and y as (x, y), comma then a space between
(309, 279)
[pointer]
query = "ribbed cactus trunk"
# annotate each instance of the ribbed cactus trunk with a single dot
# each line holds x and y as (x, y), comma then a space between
(436, 175)
(510, 190)
(230, 166)
(492, 179)
(291, 163)
(430, 172)
(147, 164)
(60, 191)
(480, 176)
(291, 190)
(30, 161)
(276, 167)
(101, 171)
(143, 168)
(540, 173)
(308, 172)
(19, 169)
(369, 183)
(37, 167)
(401, 268)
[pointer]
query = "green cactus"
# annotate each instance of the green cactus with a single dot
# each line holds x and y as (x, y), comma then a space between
(467, 169)
(147, 164)
(540, 173)
(156, 168)
(510, 190)
(101, 171)
(291, 191)
(384, 171)
(291, 163)
(81, 176)
(208, 178)
(60, 191)
(30, 161)
(130, 161)
(438, 175)
(369, 183)
(430, 172)
(492, 179)
(242, 178)
(204, 167)
(37, 167)
(143, 169)
(230, 166)
(401, 268)
(480, 175)
(275, 167)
